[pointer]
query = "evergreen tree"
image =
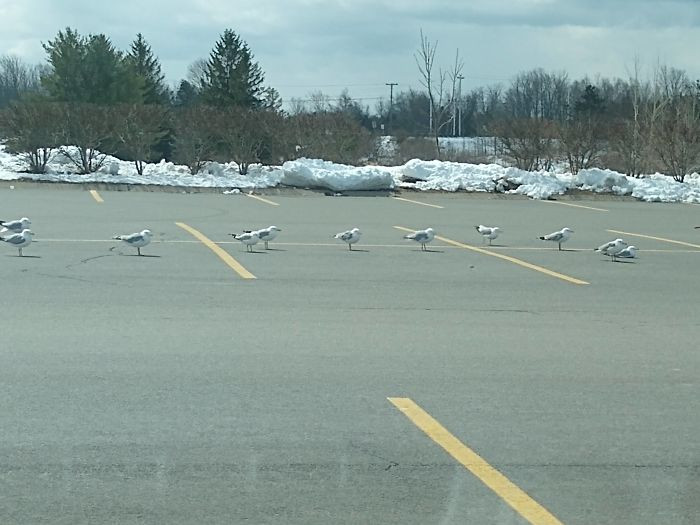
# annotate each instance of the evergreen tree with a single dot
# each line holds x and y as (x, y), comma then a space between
(89, 69)
(233, 78)
(186, 95)
(147, 67)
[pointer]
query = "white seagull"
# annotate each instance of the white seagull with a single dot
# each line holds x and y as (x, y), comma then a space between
(628, 253)
(136, 240)
(247, 238)
(19, 240)
(350, 237)
(488, 232)
(268, 234)
(612, 248)
(559, 237)
(422, 236)
(15, 226)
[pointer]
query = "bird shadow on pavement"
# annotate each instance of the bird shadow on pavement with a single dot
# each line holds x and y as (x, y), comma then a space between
(25, 256)
(137, 255)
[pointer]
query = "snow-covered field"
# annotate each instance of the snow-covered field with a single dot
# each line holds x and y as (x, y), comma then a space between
(415, 174)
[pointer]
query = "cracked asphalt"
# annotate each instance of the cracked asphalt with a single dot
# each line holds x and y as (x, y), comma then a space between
(167, 389)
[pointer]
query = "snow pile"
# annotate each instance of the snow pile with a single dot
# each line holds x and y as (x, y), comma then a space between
(315, 173)
(448, 176)
(415, 174)
(651, 188)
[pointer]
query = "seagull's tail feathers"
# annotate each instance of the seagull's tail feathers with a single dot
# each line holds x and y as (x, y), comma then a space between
(542, 238)
(118, 237)
(234, 235)
(409, 236)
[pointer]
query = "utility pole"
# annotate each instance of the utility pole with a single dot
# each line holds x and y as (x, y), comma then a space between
(459, 97)
(391, 102)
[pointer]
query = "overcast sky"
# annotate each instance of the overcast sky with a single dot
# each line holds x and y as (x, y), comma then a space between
(326, 45)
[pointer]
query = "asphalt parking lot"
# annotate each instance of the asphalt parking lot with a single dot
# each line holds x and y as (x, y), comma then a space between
(468, 384)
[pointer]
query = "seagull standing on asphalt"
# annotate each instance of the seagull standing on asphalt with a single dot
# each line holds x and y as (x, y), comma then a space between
(19, 240)
(350, 236)
(628, 253)
(422, 236)
(247, 238)
(15, 226)
(559, 237)
(612, 248)
(136, 240)
(268, 234)
(488, 232)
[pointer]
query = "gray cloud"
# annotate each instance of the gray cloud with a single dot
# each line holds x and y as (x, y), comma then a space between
(310, 45)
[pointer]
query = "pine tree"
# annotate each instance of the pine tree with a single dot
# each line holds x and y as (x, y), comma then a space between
(147, 67)
(66, 54)
(88, 69)
(233, 78)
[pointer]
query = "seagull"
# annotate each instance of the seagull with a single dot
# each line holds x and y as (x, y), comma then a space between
(488, 232)
(136, 240)
(19, 240)
(268, 234)
(558, 237)
(628, 253)
(350, 237)
(422, 236)
(15, 226)
(612, 248)
(247, 238)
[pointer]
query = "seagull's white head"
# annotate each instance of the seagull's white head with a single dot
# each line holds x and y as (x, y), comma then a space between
(27, 232)
(25, 220)
(355, 230)
(429, 230)
(274, 228)
(147, 233)
(567, 230)
(497, 229)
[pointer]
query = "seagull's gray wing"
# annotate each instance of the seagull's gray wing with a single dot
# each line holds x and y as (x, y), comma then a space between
(132, 238)
(14, 239)
(420, 236)
(556, 236)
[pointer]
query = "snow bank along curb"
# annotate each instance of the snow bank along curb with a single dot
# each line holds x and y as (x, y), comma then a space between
(415, 174)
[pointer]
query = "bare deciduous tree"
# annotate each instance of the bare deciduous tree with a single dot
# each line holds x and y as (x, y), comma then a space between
(33, 129)
(196, 139)
(441, 97)
(139, 129)
(90, 128)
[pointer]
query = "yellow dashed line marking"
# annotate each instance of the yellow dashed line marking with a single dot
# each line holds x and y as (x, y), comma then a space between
(508, 258)
(418, 202)
(574, 205)
(96, 196)
(261, 199)
(655, 238)
(223, 255)
(513, 495)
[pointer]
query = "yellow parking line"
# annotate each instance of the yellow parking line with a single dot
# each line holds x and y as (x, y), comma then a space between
(418, 202)
(223, 255)
(96, 196)
(508, 258)
(513, 495)
(574, 205)
(655, 238)
(261, 199)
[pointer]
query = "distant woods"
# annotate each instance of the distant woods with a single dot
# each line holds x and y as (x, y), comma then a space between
(102, 100)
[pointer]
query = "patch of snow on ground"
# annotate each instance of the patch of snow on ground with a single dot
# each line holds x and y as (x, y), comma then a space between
(415, 174)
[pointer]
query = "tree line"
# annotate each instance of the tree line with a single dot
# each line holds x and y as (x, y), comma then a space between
(104, 101)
